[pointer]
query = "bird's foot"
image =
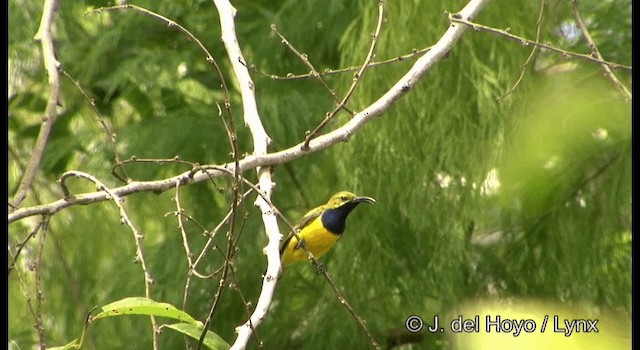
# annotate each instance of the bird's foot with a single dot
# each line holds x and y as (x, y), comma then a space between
(320, 268)
(300, 244)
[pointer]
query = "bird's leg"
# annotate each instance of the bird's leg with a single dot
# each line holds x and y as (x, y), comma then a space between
(320, 268)
(300, 244)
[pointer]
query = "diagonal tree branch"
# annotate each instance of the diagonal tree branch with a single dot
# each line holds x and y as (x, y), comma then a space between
(51, 64)
(341, 134)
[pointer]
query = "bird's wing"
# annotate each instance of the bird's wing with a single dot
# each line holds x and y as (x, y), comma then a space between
(309, 216)
(306, 219)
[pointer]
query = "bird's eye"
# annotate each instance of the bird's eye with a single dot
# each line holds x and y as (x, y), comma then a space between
(344, 198)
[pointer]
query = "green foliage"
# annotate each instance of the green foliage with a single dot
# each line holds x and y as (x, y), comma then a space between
(144, 306)
(527, 196)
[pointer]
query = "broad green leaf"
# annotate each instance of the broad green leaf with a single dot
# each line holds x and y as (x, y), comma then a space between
(211, 340)
(144, 306)
(71, 345)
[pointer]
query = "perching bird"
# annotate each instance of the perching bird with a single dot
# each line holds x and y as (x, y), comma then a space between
(321, 227)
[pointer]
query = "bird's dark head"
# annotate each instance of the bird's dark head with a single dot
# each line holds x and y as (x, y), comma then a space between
(338, 208)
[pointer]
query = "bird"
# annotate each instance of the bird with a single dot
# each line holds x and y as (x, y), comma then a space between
(320, 228)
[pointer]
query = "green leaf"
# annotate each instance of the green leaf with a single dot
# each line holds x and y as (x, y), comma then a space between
(211, 340)
(71, 345)
(144, 306)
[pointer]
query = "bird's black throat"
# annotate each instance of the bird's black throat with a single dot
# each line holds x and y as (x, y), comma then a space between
(335, 219)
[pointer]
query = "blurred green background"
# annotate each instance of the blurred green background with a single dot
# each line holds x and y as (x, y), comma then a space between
(480, 200)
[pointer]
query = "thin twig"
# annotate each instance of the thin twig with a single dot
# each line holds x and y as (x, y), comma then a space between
(209, 58)
(51, 64)
(31, 266)
(236, 187)
(228, 256)
(212, 309)
(72, 279)
(356, 79)
(124, 218)
(210, 241)
(23, 243)
(231, 251)
(211, 234)
(414, 54)
(111, 136)
(531, 55)
(596, 53)
(170, 23)
(314, 73)
(361, 322)
(39, 293)
(185, 242)
(192, 265)
(247, 304)
(120, 164)
(526, 42)
(227, 267)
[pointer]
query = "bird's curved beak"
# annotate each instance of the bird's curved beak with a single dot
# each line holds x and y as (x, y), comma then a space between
(364, 199)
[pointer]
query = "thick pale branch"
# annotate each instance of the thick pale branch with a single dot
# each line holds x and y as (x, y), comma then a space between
(260, 143)
(51, 64)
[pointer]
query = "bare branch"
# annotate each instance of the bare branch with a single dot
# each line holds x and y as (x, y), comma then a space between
(235, 187)
(265, 298)
(356, 79)
(124, 218)
(414, 54)
(352, 311)
(596, 53)
(133, 159)
(111, 136)
(23, 243)
(525, 42)
(260, 143)
(314, 73)
(543, 4)
(170, 23)
(51, 64)
(262, 159)
(39, 292)
(35, 266)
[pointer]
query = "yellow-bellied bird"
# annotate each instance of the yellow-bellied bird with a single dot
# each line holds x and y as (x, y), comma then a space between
(321, 227)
